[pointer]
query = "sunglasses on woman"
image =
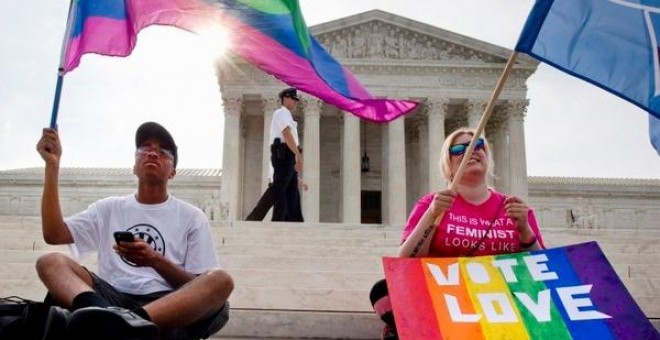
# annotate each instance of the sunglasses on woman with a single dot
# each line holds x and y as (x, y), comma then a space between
(459, 149)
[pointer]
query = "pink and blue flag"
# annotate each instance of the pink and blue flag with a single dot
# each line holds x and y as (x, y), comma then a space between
(612, 44)
(270, 34)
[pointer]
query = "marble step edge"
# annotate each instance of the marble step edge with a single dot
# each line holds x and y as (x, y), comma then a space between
(35, 221)
(256, 261)
(302, 324)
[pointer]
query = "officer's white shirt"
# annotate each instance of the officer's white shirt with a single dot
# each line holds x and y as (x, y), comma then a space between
(281, 119)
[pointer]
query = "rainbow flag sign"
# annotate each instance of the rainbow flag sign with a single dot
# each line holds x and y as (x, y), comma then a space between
(570, 292)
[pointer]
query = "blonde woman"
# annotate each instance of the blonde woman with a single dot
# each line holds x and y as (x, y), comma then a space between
(475, 219)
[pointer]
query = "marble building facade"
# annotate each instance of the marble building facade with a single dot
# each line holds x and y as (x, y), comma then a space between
(452, 76)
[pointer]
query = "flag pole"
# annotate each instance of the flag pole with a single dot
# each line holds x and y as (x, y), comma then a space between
(56, 100)
(60, 69)
(482, 123)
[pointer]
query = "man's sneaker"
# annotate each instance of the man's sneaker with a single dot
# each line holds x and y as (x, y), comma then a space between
(389, 333)
(111, 323)
(56, 323)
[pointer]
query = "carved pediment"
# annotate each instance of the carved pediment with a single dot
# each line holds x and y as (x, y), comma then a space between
(377, 39)
(379, 35)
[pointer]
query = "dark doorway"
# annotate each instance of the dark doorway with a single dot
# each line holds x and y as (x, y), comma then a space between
(371, 207)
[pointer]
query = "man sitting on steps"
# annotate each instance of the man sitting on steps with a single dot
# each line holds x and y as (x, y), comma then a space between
(164, 280)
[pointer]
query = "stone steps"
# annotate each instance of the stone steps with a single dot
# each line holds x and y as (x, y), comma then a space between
(299, 290)
(311, 248)
(330, 231)
(313, 280)
(285, 231)
(261, 323)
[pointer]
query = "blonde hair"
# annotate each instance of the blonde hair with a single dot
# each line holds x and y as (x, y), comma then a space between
(445, 164)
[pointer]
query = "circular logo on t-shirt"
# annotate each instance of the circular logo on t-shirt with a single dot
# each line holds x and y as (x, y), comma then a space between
(150, 235)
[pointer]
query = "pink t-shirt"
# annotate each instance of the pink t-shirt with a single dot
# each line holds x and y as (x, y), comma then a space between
(465, 224)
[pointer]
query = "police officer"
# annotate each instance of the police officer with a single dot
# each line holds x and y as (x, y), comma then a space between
(286, 159)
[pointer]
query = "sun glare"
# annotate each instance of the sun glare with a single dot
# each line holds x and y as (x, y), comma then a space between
(216, 41)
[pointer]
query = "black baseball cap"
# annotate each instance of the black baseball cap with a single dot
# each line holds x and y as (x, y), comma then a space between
(290, 92)
(154, 130)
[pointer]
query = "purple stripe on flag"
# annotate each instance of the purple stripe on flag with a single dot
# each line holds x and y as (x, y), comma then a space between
(609, 295)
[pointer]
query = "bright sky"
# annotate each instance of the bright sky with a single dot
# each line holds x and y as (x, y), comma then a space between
(572, 128)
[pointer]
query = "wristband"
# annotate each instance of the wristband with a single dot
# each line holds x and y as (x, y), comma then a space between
(528, 243)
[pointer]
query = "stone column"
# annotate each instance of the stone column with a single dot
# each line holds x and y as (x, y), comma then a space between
(269, 106)
(231, 158)
(396, 173)
(350, 169)
(518, 160)
(475, 109)
(311, 159)
(423, 162)
(437, 111)
(497, 137)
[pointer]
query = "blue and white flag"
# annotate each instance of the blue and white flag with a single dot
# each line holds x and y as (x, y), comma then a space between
(612, 44)
(654, 132)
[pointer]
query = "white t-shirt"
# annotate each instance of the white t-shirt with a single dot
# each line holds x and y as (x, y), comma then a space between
(176, 229)
(281, 119)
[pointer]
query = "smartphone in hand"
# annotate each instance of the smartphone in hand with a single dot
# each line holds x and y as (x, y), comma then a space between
(124, 236)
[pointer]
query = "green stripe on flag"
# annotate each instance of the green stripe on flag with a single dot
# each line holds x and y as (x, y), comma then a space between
(284, 7)
(276, 7)
(300, 25)
(553, 329)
